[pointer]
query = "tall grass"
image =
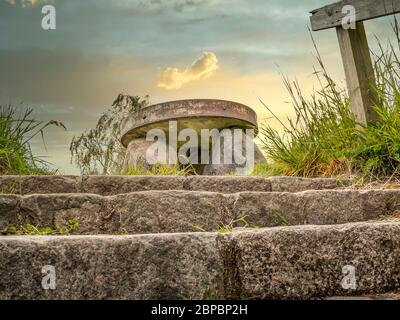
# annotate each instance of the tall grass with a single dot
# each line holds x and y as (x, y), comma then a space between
(17, 130)
(323, 139)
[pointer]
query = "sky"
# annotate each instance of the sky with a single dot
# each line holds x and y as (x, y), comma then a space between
(168, 49)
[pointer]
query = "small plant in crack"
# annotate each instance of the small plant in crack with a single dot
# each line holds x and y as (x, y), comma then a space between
(226, 228)
(236, 223)
(281, 217)
(214, 292)
(9, 188)
(31, 230)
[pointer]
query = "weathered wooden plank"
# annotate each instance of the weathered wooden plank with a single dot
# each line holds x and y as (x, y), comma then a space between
(331, 15)
(359, 72)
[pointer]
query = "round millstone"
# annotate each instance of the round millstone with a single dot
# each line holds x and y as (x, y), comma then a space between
(194, 114)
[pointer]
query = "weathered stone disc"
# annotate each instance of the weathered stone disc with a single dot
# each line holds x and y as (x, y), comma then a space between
(195, 114)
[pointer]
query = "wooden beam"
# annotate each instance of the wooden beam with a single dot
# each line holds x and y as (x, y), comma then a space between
(359, 72)
(331, 15)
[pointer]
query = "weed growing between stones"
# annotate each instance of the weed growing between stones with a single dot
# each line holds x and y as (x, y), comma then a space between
(240, 223)
(208, 294)
(10, 188)
(31, 230)
(212, 293)
(237, 223)
(281, 217)
(159, 170)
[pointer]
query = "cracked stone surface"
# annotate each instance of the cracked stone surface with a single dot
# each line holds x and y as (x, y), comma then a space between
(110, 267)
(306, 261)
(135, 238)
(112, 185)
(298, 262)
(188, 211)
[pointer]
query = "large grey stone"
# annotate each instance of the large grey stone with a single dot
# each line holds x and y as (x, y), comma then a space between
(228, 150)
(139, 212)
(307, 261)
(178, 266)
(297, 184)
(171, 211)
(110, 185)
(10, 211)
(316, 206)
(53, 210)
(300, 262)
(382, 296)
(38, 184)
(227, 184)
(185, 211)
(135, 157)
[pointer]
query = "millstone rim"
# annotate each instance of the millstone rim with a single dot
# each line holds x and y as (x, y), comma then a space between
(191, 113)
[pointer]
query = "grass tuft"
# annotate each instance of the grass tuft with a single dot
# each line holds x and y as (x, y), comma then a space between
(237, 223)
(32, 230)
(159, 170)
(323, 139)
(17, 130)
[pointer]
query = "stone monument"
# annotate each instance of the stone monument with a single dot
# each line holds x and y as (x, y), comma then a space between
(196, 115)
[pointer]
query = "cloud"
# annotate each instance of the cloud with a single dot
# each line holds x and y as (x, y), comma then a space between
(26, 3)
(203, 67)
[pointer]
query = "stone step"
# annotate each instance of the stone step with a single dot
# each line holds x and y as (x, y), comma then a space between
(384, 296)
(299, 262)
(112, 185)
(188, 211)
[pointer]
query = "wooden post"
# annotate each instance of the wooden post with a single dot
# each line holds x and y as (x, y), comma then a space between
(359, 72)
(354, 48)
